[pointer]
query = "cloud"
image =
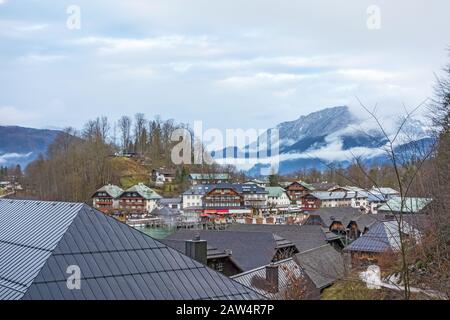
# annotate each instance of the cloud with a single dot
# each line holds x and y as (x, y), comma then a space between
(203, 45)
(13, 116)
(20, 29)
(269, 66)
(263, 78)
(10, 157)
(368, 75)
(41, 58)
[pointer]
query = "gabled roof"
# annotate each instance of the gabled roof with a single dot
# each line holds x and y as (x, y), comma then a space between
(256, 279)
(384, 190)
(249, 249)
(345, 215)
(202, 189)
(112, 190)
(382, 237)
(40, 240)
(324, 265)
(328, 195)
(304, 237)
(144, 191)
(211, 253)
(207, 176)
(275, 191)
(375, 197)
(410, 205)
(255, 181)
(302, 183)
(322, 186)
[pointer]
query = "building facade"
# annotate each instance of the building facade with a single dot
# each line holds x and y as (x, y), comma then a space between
(107, 198)
(277, 197)
(139, 199)
(297, 189)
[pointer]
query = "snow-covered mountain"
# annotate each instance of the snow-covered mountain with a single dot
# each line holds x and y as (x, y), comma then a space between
(335, 136)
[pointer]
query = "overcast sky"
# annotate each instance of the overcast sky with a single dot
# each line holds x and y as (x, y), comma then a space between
(232, 64)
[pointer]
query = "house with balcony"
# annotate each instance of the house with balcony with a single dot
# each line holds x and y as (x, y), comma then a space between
(297, 189)
(106, 198)
(139, 199)
(278, 198)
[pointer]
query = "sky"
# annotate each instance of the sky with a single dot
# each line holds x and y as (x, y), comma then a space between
(230, 64)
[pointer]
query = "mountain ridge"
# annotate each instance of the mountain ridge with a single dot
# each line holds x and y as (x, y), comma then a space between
(21, 145)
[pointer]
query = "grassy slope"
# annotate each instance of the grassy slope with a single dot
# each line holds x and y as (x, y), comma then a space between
(127, 172)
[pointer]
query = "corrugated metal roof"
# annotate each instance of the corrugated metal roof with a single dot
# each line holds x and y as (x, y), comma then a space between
(410, 205)
(116, 261)
(206, 176)
(112, 190)
(275, 191)
(144, 191)
(328, 195)
(29, 232)
(382, 236)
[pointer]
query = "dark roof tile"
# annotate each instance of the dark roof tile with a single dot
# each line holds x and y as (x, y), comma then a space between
(116, 261)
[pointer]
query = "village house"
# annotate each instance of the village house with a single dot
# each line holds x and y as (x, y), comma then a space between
(387, 193)
(331, 199)
(208, 178)
(258, 182)
(297, 189)
(254, 195)
(350, 223)
(322, 186)
(116, 261)
(374, 201)
(278, 198)
(225, 198)
(323, 265)
(163, 175)
(383, 237)
(106, 198)
(139, 199)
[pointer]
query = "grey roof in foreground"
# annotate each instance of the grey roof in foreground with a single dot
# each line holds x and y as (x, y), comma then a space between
(324, 265)
(249, 250)
(40, 240)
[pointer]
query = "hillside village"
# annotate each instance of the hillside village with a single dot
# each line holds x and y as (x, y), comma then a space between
(250, 230)
(244, 153)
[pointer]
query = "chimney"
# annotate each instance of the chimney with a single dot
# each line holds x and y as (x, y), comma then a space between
(197, 249)
(272, 277)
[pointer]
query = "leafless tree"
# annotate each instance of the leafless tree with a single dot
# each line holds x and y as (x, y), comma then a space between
(124, 124)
